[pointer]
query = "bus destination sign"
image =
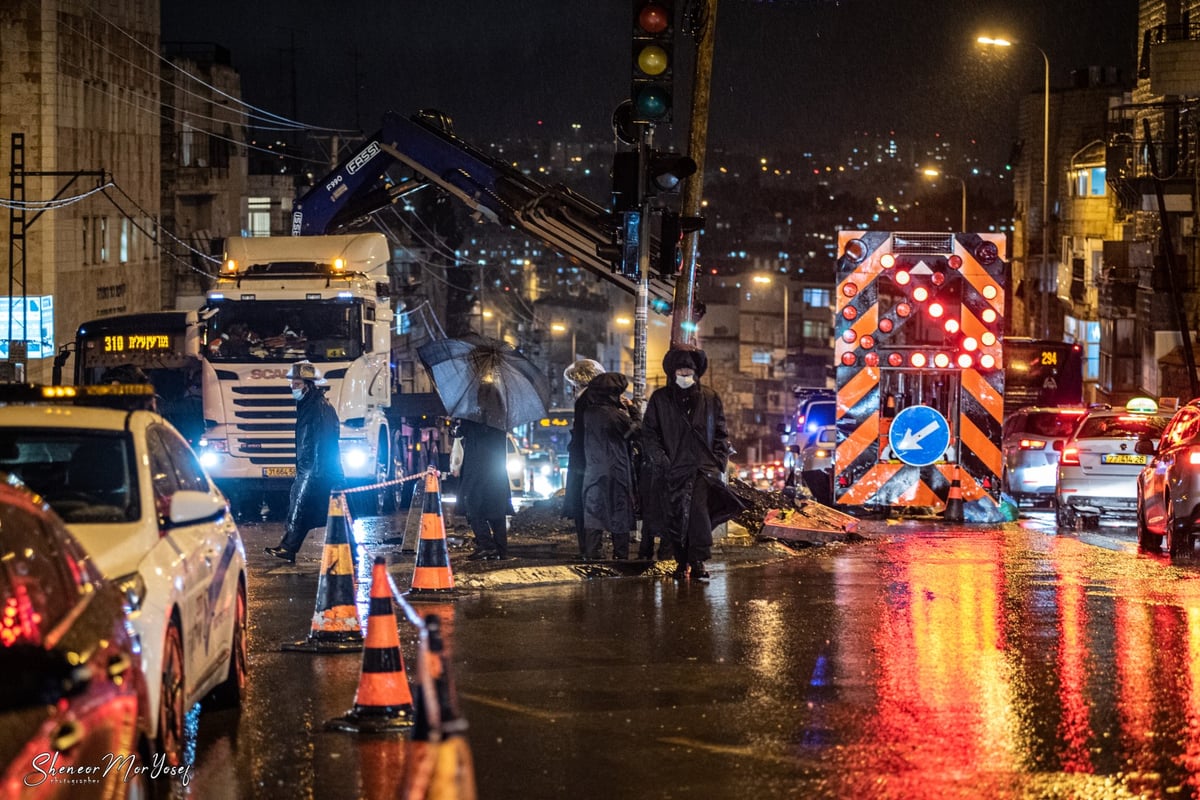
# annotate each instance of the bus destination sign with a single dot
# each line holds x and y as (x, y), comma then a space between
(139, 343)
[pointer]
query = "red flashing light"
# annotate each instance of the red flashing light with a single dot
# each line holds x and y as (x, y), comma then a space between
(951, 325)
(903, 277)
(849, 359)
(936, 310)
(941, 360)
(895, 359)
(987, 361)
(990, 292)
(965, 361)
(871, 359)
(988, 315)
(917, 360)
(866, 342)
(1193, 456)
(1031, 444)
(987, 338)
(938, 278)
(849, 289)
(955, 262)
(850, 313)
(970, 344)
(856, 250)
(903, 309)
(887, 260)
(920, 294)
(885, 325)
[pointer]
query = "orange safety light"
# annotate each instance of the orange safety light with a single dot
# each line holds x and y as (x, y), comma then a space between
(987, 361)
(970, 344)
(951, 325)
(887, 260)
(231, 266)
(917, 360)
(941, 360)
(920, 294)
(936, 310)
(903, 277)
(965, 361)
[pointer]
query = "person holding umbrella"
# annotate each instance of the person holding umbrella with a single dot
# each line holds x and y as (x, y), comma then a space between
(484, 493)
(318, 459)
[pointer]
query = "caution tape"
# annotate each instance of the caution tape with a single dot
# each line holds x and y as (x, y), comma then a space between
(393, 482)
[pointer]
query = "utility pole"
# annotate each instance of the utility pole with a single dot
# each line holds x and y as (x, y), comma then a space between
(683, 329)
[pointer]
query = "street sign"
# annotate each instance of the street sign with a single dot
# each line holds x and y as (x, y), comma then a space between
(919, 435)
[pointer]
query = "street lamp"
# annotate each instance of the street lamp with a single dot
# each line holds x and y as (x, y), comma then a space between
(935, 173)
(987, 40)
(766, 280)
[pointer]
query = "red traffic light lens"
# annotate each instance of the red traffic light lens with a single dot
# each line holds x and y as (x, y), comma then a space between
(653, 18)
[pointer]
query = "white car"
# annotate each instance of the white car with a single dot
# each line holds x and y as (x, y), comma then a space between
(134, 495)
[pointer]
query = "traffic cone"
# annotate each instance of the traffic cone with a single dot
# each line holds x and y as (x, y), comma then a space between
(954, 501)
(383, 702)
(432, 574)
(335, 624)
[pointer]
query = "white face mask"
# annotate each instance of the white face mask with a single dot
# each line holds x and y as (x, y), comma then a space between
(298, 394)
(685, 381)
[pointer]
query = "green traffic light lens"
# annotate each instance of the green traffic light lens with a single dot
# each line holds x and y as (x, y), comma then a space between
(652, 102)
(652, 60)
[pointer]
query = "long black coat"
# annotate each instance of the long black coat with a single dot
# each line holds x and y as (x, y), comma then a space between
(318, 462)
(608, 477)
(685, 440)
(483, 488)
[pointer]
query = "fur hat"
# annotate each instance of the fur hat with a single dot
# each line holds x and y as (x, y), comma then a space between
(684, 357)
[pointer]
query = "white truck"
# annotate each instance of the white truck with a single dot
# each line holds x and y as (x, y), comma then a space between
(280, 299)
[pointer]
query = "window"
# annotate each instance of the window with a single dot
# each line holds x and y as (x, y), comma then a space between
(1090, 182)
(258, 216)
(87, 243)
(102, 240)
(124, 244)
(816, 298)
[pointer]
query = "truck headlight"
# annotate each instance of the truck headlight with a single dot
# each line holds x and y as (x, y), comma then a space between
(356, 457)
(516, 465)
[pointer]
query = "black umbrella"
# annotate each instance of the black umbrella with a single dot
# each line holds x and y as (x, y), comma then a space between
(486, 380)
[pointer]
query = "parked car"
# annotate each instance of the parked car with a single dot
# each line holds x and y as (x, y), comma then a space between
(132, 492)
(72, 693)
(1099, 466)
(1168, 487)
(1032, 440)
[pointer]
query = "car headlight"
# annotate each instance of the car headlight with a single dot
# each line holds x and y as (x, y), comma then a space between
(516, 465)
(133, 586)
(209, 458)
(355, 457)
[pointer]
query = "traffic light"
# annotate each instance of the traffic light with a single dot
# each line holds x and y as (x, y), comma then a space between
(670, 242)
(653, 57)
(625, 180)
(665, 171)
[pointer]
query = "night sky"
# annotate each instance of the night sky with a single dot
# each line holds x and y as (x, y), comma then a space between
(798, 75)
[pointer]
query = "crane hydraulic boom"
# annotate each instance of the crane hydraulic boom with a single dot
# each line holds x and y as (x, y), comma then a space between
(563, 219)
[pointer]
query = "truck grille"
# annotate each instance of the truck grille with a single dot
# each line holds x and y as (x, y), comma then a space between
(259, 410)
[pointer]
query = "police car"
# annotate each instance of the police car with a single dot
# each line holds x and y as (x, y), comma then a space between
(133, 494)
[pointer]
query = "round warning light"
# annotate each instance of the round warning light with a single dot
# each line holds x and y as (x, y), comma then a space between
(850, 313)
(920, 294)
(903, 309)
(955, 262)
(988, 315)
(986, 253)
(941, 360)
(849, 336)
(902, 277)
(965, 361)
(936, 310)
(871, 359)
(990, 291)
(917, 360)
(887, 260)
(951, 325)
(866, 342)
(987, 338)
(849, 289)
(970, 344)
(849, 359)
(856, 250)
(938, 278)
(886, 325)
(895, 359)
(987, 361)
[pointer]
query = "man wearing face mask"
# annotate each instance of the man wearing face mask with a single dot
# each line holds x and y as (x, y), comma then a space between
(687, 445)
(318, 459)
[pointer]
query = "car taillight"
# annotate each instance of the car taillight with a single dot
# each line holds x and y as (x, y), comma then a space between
(1070, 456)
(1194, 456)
(1032, 444)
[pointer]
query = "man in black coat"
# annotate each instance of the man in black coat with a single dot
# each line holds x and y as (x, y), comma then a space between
(484, 491)
(318, 459)
(607, 488)
(687, 445)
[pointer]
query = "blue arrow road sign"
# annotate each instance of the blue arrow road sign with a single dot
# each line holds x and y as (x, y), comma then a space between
(919, 435)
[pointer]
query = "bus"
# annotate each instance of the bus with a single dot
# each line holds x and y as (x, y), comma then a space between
(545, 445)
(1041, 372)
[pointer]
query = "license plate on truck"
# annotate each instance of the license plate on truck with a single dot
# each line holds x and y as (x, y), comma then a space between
(279, 472)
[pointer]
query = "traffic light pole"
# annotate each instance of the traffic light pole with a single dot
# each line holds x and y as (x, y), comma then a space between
(683, 329)
(641, 311)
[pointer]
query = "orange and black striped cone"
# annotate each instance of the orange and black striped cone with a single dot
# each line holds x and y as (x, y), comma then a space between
(432, 575)
(335, 624)
(954, 501)
(383, 702)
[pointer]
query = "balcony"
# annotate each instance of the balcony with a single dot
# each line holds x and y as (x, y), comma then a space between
(1172, 148)
(1170, 59)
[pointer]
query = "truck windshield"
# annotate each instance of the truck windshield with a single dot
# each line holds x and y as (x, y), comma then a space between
(284, 330)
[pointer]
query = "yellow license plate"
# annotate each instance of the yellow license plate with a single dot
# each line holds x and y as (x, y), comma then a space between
(279, 472)
(1124, 458)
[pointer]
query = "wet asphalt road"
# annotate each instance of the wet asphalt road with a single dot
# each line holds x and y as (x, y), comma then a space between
(926, 661)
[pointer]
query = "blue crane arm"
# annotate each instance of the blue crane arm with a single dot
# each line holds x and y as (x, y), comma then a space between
(563, 219)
